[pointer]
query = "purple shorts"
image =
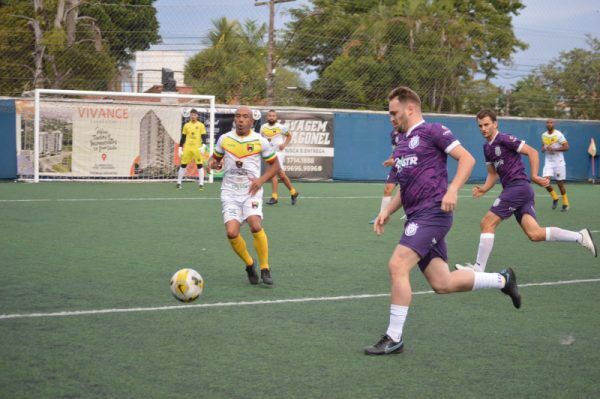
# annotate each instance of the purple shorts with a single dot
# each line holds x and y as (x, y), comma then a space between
(391, 177)
(426, 236)
(517, 199)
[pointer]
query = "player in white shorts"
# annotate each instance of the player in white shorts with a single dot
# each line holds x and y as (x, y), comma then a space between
(239, 153)
(279, 137)
(554, 144)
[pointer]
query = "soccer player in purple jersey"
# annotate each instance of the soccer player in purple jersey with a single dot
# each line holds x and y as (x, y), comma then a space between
(390, 182)
(503, 158)
(428, 201)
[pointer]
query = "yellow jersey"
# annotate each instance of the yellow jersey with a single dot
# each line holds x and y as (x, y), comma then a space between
(242, 159)
(275, 133)
(193, 132)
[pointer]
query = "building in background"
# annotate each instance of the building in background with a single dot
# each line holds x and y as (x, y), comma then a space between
(149, 66)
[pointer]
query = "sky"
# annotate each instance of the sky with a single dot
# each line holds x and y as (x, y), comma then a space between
(548, 26)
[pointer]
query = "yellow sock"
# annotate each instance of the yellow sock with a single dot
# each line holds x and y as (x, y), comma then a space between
(565, 200)
(274, 195)
(239, 247)
(554, 195)
(293, 191)
(261, 244)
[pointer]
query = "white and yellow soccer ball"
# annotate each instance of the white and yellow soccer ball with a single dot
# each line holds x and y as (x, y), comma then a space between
(187, 285)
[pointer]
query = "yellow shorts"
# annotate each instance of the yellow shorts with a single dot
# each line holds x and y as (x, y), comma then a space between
(191, 154)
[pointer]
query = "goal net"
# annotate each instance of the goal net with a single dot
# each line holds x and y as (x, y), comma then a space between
(94, 135)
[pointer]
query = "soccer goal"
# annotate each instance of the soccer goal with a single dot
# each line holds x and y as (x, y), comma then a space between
(106, 136)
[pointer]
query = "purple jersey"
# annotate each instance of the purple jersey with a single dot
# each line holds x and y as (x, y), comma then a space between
(421, 156)
(503, 154)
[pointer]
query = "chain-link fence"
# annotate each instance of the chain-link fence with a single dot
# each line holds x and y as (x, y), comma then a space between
(324, 53)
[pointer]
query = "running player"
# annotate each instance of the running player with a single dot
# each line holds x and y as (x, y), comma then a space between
(421, 157)
(191, 148)
(239, 153)
(503, 158)
(279, 136)
(554, 144)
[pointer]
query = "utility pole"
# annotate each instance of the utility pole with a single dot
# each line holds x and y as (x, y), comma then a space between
(270, 78)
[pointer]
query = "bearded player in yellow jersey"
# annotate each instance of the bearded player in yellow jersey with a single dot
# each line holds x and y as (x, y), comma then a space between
(239, 154)
(279, 137)
(191, 148)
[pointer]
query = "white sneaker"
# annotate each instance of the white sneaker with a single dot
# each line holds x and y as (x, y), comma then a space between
(467, 266)
(587, 242)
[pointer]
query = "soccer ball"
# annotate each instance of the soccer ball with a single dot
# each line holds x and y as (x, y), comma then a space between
(186, 285)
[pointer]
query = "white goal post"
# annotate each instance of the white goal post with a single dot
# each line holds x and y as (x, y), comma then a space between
(113, 135)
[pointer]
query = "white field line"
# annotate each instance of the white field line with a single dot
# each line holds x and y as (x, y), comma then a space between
(179, 199)
(248, 303)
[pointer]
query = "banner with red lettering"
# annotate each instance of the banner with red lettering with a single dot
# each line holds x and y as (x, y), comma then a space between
(310, 152)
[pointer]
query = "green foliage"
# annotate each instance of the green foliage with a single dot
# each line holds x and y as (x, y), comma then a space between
(83, 50)
(360, 50)
(233, 64)
(568, 86)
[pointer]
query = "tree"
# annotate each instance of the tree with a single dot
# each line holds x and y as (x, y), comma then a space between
(568, 86)
(71, 44)
(233, 64)
(361, 49)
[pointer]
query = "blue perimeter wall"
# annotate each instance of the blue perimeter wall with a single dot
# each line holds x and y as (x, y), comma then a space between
(8, 144)
(362, 143)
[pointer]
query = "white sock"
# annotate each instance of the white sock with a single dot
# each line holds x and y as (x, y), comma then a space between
(556, 234)
(180, 175)
(201, 176)
(488, 280)
(384, 202)
(486, 244)
(397, 318)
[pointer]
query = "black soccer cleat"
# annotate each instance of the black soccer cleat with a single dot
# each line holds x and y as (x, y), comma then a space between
(554, 203)
(565, 208)
(252, 276)
(272, 201)
(178, 186)
(510, 288)
(385, 346)
(265, 275)
(295, 198)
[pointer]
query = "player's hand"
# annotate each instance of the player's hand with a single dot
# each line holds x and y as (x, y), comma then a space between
(255, 185)
(477, 192)
(380, 221)
(449, 200)
(389, 162)
(544, 148)
(541, 181)
(180, 151)
(281, 147)
(214, 164)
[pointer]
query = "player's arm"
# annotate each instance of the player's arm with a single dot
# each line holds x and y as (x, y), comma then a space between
(490, 181)
(216, 159)
(390, 161)
(466, 162)
(564, 146)
(256, 184)
(384, 215)
(534, 163)
(288, 138)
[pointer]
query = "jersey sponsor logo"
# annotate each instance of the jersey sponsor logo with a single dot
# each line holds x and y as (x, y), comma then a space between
(411, 229)
(414, 143)
(496, 203)
(403, 162)
(497, 151)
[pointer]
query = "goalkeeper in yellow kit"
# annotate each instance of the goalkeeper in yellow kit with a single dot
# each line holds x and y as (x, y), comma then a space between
(191, 148)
